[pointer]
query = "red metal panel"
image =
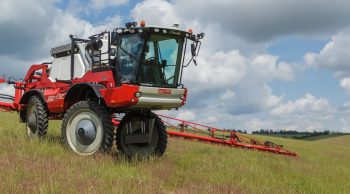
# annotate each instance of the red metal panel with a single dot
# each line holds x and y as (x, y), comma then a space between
(120, 96)
(5, 106)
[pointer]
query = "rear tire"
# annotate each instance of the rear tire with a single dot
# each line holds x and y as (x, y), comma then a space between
(158, 142)
(36, 118)
(86, 128)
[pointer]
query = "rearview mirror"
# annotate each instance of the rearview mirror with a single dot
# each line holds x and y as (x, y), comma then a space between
(115, 38)
(194, 49)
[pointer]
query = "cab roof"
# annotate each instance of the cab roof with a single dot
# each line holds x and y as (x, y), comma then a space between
(160, 30)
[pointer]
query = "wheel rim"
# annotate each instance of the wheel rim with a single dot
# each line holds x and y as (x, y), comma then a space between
(84, 132)
(139, 149)
(32, 122)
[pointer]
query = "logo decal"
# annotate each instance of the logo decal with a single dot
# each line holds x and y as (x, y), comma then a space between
(56, 97)
(164, 91)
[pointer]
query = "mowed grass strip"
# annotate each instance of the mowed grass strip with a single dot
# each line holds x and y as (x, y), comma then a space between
(46, 166)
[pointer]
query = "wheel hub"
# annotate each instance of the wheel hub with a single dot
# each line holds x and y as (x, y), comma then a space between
(85, 132)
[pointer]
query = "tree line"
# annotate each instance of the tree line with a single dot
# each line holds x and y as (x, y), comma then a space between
(293, 132)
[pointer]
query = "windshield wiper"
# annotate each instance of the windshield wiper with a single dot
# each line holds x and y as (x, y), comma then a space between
(130, 54)
(127, 81)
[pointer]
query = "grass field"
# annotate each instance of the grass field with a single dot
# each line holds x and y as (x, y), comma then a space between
(26, 166)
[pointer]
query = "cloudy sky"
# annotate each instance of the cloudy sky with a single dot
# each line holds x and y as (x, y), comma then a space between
(263, 64)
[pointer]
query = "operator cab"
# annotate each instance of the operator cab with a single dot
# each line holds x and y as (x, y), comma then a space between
(150, 59)
(150, 56)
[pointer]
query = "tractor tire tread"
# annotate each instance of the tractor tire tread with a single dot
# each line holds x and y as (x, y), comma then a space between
(162, 135)
(43, 121)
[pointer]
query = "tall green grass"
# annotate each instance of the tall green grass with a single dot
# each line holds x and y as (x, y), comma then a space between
(28, 166)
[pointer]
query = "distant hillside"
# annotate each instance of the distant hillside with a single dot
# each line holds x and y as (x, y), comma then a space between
(319, 137)
(315, 135)
(305, 137)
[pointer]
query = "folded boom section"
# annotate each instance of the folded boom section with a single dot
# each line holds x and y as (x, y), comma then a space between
(191, 131)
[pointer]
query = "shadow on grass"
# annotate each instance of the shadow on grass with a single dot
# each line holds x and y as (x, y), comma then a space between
(114, 153)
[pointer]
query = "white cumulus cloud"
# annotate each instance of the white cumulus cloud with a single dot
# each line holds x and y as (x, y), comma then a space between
(99, 5)
(334, 56)
(305, 105)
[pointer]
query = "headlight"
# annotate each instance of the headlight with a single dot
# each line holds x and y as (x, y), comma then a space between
(182, 97)
(137, 94)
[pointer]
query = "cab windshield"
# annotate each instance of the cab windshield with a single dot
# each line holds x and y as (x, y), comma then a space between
(129, 56)
(152, 62)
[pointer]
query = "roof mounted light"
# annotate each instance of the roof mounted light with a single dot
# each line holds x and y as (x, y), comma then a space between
(200, 36)
(130, 24)
(142, 23)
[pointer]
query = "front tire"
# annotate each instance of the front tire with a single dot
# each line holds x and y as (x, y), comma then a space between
(157, 143)
(87, 128)
(36, 118)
